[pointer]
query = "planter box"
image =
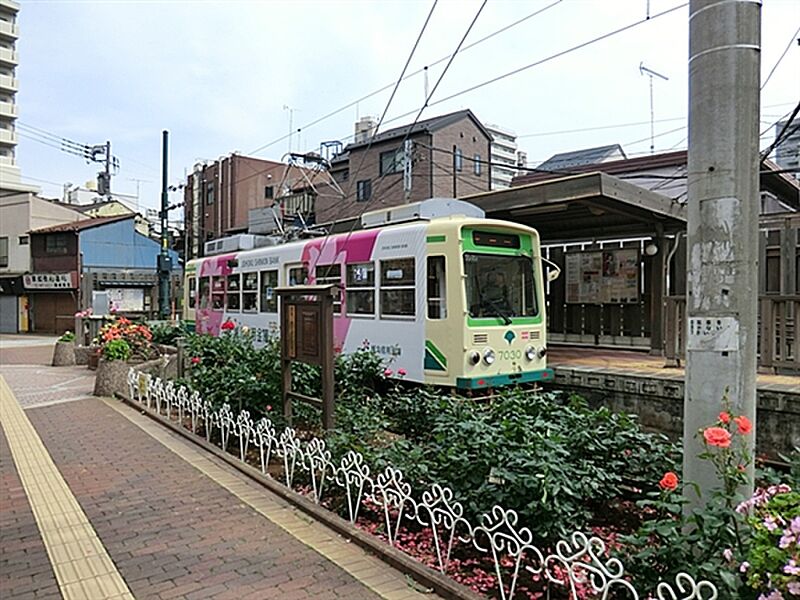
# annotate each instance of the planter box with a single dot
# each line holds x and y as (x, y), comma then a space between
(64, 354)
(112, 377)
(82, 354)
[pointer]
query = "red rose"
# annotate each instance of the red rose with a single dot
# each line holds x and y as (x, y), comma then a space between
(744, 424)
(228, 325)
(669, 481)
(717, 436)
(725, 417)
(195, 360)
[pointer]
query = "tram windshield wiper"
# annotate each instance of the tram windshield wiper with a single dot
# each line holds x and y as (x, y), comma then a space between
(499, 312)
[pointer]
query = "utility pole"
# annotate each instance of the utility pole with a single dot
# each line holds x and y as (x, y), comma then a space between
(164, 261)
(723, 192)
(455, 173)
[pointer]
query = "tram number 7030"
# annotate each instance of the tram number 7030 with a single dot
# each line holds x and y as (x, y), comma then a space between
(509, 354)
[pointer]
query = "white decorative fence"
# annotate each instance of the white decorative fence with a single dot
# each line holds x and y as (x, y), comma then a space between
(580, 562)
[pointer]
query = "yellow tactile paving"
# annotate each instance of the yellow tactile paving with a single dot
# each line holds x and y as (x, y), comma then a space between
(80, 562)
(371, 572)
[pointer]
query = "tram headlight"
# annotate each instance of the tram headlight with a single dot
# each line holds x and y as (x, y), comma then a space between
(474, 357)
(530, 352)
(488, 356)
(542, 352)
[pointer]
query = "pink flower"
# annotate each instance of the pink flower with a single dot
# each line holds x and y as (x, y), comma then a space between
(269, 407)
(717, 436)
(669, 482)
(727, 554)
(195, 360)
(402, 372)
(228, 325)
(388, 373)
(725, 417)
(744, 424)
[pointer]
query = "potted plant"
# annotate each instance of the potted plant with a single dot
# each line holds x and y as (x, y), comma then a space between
(64, 351)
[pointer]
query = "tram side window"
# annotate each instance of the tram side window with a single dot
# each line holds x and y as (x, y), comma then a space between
(205, 293)
(331, 274)
(250, 292)
(217, 293)
(192, 292)
(234, 292)
(269, 299)
(397, 287)
(437, 290)
(298, 276)
(361, 289)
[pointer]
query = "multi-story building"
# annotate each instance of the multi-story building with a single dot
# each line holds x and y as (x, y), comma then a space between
(20, 212)
(9, 172)
(219, 196)
(787, 153)
(448, 156)
(504, 156)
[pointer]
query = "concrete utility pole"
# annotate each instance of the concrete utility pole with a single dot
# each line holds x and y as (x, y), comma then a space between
(164, 262)
(723, 198)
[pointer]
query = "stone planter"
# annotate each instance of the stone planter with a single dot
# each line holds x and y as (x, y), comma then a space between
(82, 354)
(64, 354)
(112, 377)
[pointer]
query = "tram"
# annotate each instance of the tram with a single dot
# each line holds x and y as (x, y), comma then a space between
(445, 295)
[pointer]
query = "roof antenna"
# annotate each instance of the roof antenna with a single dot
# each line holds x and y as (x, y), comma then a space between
(650, 73)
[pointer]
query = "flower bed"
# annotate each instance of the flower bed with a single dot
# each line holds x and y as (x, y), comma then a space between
(560, 465)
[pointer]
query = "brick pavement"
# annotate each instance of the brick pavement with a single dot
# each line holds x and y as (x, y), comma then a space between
(171, 531)
(15, 350)
(25, 570)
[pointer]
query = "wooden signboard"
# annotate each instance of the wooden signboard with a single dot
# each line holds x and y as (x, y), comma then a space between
(307, 336)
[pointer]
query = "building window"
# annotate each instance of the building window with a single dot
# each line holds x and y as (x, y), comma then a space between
(477, 164)
(361, 289)
(55, 244)
(250, 292)
(269, 192)
(458, 160)
(3, 251)
(363, 190)
(398, 289)
(23, 240)
(437, 288)
(210, 193)
(392, 161)
(269, 299)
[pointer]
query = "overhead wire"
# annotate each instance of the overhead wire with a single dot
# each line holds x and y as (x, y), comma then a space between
(417, 72)
(425, 104)
(782, 56)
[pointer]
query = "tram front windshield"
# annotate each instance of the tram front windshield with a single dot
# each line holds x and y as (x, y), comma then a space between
(499, 286)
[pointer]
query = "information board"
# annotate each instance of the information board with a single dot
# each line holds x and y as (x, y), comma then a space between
(603, 276)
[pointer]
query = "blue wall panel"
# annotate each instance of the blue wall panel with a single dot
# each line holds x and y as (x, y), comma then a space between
(119, 245)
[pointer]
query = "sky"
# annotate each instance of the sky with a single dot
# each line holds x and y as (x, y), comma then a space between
(227, 76)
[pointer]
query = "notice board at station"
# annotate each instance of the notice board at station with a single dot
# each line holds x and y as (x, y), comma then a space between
(608, 276)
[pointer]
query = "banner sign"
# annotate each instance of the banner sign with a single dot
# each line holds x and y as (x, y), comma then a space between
(603, 276)
(50, 281)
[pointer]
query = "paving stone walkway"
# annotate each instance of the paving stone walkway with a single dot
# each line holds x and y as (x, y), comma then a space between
(172, 527)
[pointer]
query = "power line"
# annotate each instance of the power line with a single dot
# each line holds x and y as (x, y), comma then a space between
(425, 104)
(417, 72)
(785, 50)
(783, 133)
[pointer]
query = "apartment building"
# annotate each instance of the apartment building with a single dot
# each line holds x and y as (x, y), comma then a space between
(443, 156)
(9, 32)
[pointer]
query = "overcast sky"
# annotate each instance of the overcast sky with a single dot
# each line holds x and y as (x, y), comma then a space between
(218, 75)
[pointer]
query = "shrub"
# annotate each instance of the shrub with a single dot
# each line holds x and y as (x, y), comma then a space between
(166, 333)
(117, 349)
(136, 335)
(67, 336)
